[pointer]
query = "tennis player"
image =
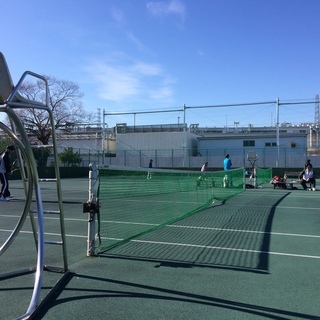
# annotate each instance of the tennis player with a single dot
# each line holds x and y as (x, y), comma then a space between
(150, 167)
(203, 175)
(227, 166)
(5, 169)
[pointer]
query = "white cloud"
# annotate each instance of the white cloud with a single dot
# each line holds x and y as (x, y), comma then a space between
(161, 8)
(147, 69)
(162, 93)
(131, 81)
(132, 38)
(118, 15)
(114, 83)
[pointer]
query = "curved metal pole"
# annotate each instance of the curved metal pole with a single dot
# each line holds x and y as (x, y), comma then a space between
(35, 178)
(40, 256)
(26, 209)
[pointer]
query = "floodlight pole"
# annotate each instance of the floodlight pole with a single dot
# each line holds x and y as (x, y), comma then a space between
(103, 137)
(278, 135)
(184, 134)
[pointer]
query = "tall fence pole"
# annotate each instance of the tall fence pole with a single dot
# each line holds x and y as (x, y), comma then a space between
(278, 135)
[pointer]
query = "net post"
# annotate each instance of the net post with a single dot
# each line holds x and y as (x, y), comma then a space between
(92, 207)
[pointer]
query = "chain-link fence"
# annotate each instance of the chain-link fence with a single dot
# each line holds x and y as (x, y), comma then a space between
(185, 158)
(174, 158)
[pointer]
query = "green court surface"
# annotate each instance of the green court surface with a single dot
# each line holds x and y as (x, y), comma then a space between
(253, 256)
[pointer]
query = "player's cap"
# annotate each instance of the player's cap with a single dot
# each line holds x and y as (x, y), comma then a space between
(11, 147)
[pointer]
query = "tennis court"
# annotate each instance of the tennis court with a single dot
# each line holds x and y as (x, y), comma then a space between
(253, 256)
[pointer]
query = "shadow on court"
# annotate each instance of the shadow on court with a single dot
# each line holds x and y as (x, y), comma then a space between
(135, 291)
(233, 234)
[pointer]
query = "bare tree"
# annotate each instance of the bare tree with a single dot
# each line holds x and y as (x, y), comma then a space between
(65, 103)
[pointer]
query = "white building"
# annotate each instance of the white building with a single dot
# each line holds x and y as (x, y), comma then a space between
(171, 146)
(174, 145)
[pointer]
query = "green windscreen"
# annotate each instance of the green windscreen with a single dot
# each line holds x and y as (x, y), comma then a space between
(133, 202)
(264, 175)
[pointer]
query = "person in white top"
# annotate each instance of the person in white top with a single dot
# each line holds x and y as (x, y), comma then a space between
(308, 176)
(204, 167)
(203, 175)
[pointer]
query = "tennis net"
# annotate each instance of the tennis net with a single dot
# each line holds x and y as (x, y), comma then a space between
(133, 202)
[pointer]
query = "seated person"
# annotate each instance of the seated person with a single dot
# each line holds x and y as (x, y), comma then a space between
(308, 163)
(308, 176)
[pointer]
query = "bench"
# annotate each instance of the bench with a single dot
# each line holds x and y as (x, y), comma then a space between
(292, 174)
(291, 179)
(288, 184)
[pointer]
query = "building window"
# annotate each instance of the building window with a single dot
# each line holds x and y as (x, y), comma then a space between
(270, 144)
(249, 143)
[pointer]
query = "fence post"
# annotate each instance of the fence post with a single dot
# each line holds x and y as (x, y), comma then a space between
(156, 157)
(172, 163)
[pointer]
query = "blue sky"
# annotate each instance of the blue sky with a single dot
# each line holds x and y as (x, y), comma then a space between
(144, 55)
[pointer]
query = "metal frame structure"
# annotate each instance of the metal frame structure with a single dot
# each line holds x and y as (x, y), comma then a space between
(253, 158)
(249, 104)
(11, 101)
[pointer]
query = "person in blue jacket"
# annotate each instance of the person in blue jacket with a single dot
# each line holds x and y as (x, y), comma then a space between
(227, 164)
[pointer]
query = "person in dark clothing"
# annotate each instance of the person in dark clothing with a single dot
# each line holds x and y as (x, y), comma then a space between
(307, 176)
(149, 175)
(308, 163)
(5, 169)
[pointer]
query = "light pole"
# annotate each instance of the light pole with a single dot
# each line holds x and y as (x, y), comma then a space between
(278, 135)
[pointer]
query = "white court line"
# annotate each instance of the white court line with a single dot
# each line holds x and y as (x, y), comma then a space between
(158, 201)
(300, 208)
(86, 220)
(246, 231)
(47, 233)
(189, 245)
(186, 227)
(133, 223)
(277, 207)
(46, 218)
(227, 249)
